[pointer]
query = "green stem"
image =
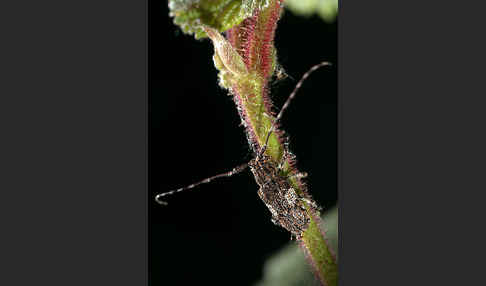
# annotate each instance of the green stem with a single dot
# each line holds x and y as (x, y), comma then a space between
(253, 39)
(246, 60)
(319, 254)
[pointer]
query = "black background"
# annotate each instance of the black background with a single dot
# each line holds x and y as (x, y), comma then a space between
(221, 233)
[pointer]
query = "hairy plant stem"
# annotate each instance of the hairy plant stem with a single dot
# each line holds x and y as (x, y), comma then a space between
(246, 59)
(253, 41)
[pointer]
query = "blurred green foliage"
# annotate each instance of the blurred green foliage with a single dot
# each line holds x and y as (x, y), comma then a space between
(326, 9)
(288, 267)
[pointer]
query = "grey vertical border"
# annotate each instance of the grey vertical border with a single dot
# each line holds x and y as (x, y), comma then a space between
(412, 143)
(73, 172)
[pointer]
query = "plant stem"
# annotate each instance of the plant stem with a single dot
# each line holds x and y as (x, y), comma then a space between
(246, 60)
(253, 41)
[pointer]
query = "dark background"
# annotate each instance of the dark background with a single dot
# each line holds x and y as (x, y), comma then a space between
(221, 233)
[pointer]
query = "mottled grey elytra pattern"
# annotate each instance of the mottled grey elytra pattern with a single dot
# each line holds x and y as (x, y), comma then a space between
(285, 205)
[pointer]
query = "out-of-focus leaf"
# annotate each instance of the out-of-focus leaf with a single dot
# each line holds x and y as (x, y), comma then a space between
(221, 15)
(288, 267)
(326, 9)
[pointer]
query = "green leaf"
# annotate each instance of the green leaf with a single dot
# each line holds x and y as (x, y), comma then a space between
(326, 9)
(288, 266)
(221, 15)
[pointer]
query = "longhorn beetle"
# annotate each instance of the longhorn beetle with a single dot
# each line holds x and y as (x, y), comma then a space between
(285, 205)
